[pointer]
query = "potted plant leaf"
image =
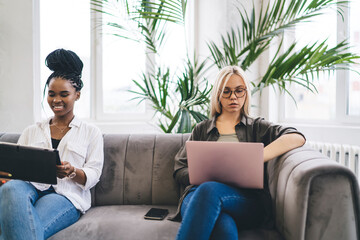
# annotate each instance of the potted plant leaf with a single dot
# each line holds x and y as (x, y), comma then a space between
(182, 100)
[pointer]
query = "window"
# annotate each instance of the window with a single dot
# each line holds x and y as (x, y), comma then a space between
(354, 79)
(124, 60)
(338, 97)
(111, 63)
(66, 24)
(173, 53)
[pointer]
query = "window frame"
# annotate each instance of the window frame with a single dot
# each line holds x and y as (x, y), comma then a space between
(342, 90)
(97, 104)
(96, 90)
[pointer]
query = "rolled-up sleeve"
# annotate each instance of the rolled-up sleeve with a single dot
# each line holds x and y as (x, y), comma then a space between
(24, 137)
(267, 132)
(94, 160)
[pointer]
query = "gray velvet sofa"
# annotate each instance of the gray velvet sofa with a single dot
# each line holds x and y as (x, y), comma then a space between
(313, 197)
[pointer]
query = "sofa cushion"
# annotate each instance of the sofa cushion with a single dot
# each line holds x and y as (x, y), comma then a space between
(138, 170)
(120, 222)
(127, 222)
(9, 137)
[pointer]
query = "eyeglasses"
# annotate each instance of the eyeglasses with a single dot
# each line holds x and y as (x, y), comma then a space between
(239, 93)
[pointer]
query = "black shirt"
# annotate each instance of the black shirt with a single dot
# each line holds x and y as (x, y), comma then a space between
(55, 143)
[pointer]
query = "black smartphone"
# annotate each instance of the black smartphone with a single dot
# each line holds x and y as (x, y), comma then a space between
(156, 214)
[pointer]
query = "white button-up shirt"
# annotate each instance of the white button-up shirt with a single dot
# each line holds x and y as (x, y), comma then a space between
(82, 146)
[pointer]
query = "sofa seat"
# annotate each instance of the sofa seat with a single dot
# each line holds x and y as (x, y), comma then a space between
(120, 222)
(127, 222)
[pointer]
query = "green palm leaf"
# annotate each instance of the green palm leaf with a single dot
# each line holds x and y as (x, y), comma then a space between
(185, 122)
(167, 10)
(191, 87)
(243, 45)
(300, 66)
(254, 36)
(150, 17)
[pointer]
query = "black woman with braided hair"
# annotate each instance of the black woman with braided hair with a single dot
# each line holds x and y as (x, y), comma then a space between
(30, 210)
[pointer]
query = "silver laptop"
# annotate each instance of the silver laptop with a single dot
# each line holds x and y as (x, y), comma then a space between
(239, 164)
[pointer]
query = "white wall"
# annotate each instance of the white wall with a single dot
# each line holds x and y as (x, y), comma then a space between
(17, 72)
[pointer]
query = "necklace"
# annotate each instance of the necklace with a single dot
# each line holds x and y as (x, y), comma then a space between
(60, 129)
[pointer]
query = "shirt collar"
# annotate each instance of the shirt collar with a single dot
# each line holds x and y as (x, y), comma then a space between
(243, 121)
(74, 123)
(212, 125)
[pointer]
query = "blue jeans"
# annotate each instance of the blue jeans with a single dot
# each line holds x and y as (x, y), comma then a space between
(27, 213)
(215, 210)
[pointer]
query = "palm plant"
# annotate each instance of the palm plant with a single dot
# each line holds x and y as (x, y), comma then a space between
(298, 64)
(182, 109)
(178, 100)
(183, 99)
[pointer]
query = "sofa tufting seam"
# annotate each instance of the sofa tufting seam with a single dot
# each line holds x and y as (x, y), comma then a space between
(124, 168)
(93, 190)
(152, 169)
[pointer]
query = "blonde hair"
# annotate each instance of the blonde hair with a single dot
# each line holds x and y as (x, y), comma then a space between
(220, 82)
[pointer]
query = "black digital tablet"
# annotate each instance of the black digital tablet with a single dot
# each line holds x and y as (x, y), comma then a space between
(29, 163)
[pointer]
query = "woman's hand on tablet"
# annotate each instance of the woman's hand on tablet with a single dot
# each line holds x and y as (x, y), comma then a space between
(63, 170)
(4, 180)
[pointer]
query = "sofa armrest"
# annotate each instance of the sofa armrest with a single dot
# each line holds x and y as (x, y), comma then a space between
(314, 197)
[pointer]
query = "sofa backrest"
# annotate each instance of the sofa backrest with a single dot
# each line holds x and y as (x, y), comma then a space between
(9, 137)
(137, 169)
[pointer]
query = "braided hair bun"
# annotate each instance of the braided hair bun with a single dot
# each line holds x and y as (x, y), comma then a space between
(67, 65)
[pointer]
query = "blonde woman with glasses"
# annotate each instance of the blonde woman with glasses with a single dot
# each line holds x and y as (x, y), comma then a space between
(214, 210)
